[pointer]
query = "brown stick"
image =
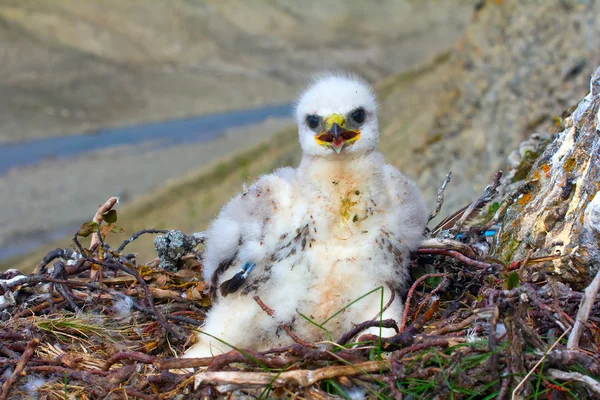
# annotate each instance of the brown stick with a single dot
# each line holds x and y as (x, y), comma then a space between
(128, 355)
(147, 294)
(448, 244)
(411, 292)
(430, 295)
(286, 328)
(299, 378)
(420, 346)
(386, 323)
(98, 218)
(460, 257)
(440, 198)
(585, 307)
(25, 357)
(591, 383)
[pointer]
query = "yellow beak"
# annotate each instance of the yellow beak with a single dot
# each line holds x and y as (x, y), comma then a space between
(335, 134)
(334, 119)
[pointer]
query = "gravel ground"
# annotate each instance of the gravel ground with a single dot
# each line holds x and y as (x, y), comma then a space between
(47, 201)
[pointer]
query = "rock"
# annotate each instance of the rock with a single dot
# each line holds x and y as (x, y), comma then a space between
(174, 245)
(518, 67)
(555, 221)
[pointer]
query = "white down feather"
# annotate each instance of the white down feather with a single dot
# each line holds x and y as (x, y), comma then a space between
(321, 236)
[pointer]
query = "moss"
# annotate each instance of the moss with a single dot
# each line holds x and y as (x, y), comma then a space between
(433, 139)
(525, 166)
(509, 250)
(569, 164)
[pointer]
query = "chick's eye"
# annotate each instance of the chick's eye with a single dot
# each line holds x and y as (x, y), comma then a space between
(358, 115)
(312, 121)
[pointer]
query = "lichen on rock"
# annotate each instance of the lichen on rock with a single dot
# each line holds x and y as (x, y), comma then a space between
(174, 245)
(554, 222)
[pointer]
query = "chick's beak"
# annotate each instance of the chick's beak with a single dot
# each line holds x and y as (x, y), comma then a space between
(335, 134)
(336, 131)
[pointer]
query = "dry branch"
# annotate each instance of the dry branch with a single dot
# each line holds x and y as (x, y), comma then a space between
(297, 378)
(585, 308)
(27, 354)
(590, 382)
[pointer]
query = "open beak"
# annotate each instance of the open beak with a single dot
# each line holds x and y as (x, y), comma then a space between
(335, 134)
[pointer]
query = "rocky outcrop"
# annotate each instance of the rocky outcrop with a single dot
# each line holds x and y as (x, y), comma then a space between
(519, 65)
(553, 223)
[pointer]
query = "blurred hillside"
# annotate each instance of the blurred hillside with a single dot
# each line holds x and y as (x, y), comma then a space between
(519, 66)
(69, 66)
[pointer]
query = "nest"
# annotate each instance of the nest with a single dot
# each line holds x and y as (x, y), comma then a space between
(95, 323)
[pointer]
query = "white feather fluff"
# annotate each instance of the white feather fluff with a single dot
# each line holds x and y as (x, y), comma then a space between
(320, 236)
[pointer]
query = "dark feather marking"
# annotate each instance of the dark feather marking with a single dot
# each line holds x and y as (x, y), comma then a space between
(232, 285)
(223, 267)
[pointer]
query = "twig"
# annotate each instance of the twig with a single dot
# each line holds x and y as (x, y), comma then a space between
(535, 299)
(440, 198)
(137, 235)
(235, 356)
(488, 193)
(590, 382)
(27, 354)
(99, 217)
(91, 377)
(12, 336)
(388, 304)
(418, 323)
(456, 327)
(96, 241)
(190, 321)
(573, 357)
(585, 307)
(431, 294)
(298, 378)
(147, 294)
(286, 328)
(53, 254)
(411, 292)
(137, 394)
(67, 296)
(461, 257)
(386, 323)
(128, 355)
(420, 346)
(448, 244)
(503, 387)
(493, 323)
(541, 360)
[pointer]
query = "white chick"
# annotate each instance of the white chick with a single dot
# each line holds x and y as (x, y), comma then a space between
(310, 241)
